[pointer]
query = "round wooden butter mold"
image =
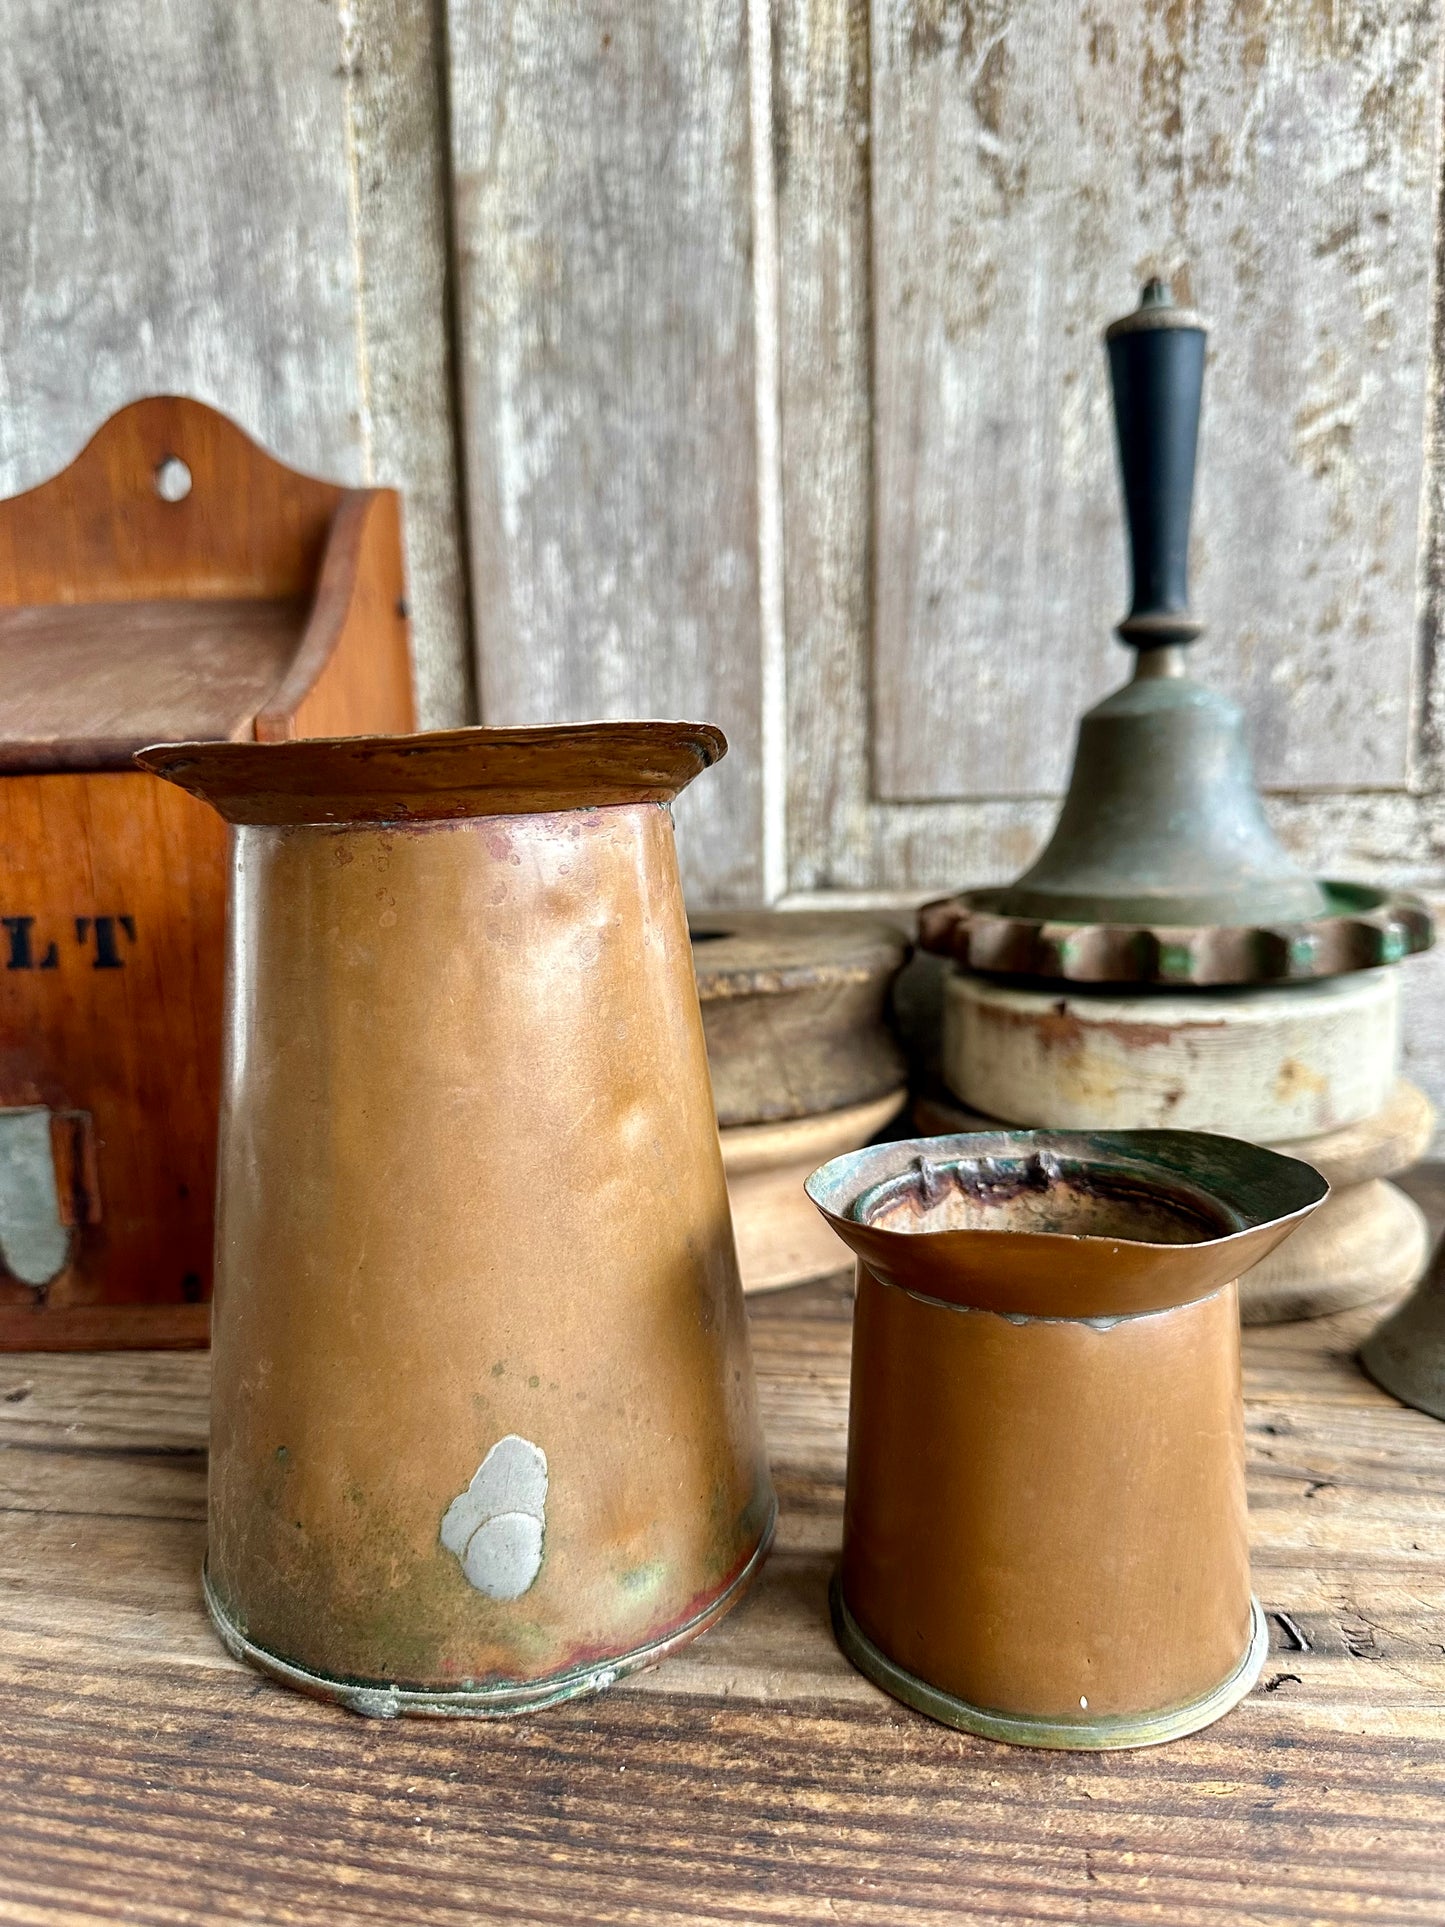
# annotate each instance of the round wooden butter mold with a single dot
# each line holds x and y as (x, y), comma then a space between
(795, 1011)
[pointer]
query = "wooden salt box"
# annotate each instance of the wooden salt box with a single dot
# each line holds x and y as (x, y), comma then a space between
(175, 583)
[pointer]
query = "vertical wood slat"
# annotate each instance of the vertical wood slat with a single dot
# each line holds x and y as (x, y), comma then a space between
(601, 168)
(821, 169)
(1028, 170)
(841, 837)
(393, 53)
(222, 201)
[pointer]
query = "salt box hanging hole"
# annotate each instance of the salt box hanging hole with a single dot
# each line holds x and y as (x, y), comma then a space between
(173, 479)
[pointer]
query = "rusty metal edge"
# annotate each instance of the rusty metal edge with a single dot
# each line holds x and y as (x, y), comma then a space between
(1384, 927)
(1113, 1734)
(378, 1699)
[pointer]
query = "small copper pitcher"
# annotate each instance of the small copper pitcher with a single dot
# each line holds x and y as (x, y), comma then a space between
(1045, 1535)
(484, 1431)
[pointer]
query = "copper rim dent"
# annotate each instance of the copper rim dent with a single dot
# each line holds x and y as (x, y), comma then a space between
(1045, 1532)
(484, 1429)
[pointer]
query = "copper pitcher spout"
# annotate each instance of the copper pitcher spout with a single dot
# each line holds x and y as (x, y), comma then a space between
(484, 1428)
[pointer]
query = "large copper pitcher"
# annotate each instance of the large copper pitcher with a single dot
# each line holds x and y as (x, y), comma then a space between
(484, 1430)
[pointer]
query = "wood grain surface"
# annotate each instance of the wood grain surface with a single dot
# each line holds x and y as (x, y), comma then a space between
(844, 169)
(101, 530)
(795, 1012)
(353, 674)
(84, 687)
(605, 307)
(392, 71)
(324, 217)
(178, 174)
(145, 1776)
(331, 218)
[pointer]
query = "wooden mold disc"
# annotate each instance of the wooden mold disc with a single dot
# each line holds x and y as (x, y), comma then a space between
(794, 1007)
(781, 1237)
(1288, 1062)
(1395, 1137)
(1366, 1242)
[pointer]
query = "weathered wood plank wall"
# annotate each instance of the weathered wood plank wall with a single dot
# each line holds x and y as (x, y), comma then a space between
(603, 224)
(296, 211)
(243, 204)
(957, 678)
(1030, 169)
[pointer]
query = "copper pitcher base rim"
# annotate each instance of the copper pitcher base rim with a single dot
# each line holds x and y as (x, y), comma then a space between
(1114, 1733)
(380, 1700)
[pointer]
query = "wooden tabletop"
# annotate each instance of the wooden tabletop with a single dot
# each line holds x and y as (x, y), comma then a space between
(146, 1777)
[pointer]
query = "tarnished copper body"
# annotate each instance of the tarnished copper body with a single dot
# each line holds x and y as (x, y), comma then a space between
(1045, 1535)
(484, 1429)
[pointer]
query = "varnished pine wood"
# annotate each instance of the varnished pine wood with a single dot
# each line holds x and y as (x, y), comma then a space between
(277, 207)
(755, 1777)
(351, 675)
(100, 531)
(262, 604)
(87, 685)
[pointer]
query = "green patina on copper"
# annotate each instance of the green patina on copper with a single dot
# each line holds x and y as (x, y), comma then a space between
(492, 1698)
(408, 1632)
(643, 1578)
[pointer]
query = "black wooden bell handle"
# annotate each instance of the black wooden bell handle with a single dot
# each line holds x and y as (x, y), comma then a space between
(1156, 364)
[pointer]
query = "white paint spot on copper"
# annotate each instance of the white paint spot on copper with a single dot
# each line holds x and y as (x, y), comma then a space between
(496, 1527)
(504, 1555)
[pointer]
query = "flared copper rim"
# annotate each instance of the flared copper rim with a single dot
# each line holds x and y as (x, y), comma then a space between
(1258, 1197)
(442, 775)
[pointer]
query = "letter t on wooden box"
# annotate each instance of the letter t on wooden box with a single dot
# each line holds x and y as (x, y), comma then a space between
(173, 584)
